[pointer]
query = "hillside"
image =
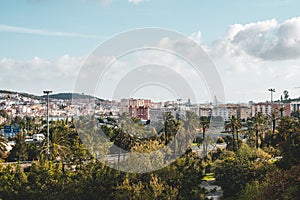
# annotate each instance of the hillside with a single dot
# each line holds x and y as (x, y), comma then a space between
(66, 96)
(32, 96)
(63, 96)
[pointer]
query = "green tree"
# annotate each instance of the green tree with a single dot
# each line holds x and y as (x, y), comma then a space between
(204, 125)
(4, 114)
(286, 94)
(288, 138)
(59, 145)
(278, 184)
(259, 125)
(19, 151)
(233, 126)
(234, 171)
(3, 144)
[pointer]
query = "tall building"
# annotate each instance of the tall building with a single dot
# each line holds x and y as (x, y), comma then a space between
(138, 108)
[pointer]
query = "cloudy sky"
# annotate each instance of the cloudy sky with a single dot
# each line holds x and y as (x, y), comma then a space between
(255, 45)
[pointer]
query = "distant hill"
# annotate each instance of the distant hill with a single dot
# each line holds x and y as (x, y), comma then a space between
(32, 96)
(66, 96)
(63, 96)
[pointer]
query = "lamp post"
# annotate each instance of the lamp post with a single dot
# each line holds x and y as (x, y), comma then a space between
(47, 92)
(271, 90)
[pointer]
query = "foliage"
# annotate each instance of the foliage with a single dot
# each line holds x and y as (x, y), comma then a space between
(72, 172)
(278, 184)
(233, 126)
(19, 151)
(234, 171)
(3, 143)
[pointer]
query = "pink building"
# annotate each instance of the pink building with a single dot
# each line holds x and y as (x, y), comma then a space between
(139, 108)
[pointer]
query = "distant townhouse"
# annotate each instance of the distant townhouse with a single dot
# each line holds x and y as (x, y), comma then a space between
(205, 110)
(267, 108)
(295, 106)
(226, 111)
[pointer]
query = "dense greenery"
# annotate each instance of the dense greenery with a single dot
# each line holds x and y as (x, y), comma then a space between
(264, 165)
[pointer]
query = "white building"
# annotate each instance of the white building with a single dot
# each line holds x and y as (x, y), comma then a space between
(295, 106)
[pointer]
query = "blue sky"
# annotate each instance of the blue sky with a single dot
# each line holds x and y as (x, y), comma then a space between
(49, 30)
(104, 20)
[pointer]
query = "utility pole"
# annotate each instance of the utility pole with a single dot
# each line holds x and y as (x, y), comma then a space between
(47, 92)
(271, 90)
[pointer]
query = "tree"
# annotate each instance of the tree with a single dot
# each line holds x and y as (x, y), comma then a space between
(289, 141)
(273, 119)
(4, 114)
(19, 151)
(190, 125)
(171, 126)
(286, 94)
(259, 124)
(233, 126)
(59, 145)
(278, 184)
(204, 124)
(3, 144)
(235, 170)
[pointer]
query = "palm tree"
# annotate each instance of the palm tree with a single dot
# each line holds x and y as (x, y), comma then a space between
(259, 124)
(281, 110)
(59, 146)
(234, 125)
(3, 144)
(238, 127)
(286, 127)
(273, 119)
(171, 127)
(204, 124)
(190, 124)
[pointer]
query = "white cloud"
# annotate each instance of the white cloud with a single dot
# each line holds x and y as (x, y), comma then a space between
(17, 29)
(196, 36)
(266, 40)
(38, 73)
(255, 56)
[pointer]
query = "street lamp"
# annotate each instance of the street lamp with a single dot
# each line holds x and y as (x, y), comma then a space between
(179, 104)
(178, 111)
(47, 92)
(271, 90)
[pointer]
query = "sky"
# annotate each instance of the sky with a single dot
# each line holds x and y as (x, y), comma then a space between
(255, 45)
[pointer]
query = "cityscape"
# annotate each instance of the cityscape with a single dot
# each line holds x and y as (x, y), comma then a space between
(65, 108)
(24, 105)
(149, 100)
